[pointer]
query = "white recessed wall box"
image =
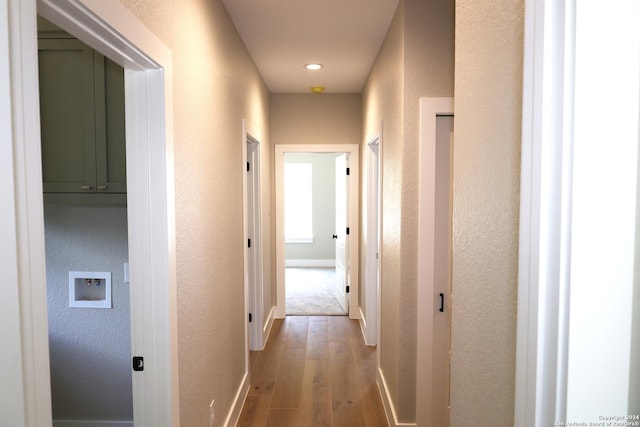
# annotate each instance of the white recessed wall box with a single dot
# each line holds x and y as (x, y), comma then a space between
(89, 289)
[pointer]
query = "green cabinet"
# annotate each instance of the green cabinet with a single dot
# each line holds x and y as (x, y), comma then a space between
(82, 119)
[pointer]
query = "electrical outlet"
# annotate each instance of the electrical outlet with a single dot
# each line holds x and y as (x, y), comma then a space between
(211, 414)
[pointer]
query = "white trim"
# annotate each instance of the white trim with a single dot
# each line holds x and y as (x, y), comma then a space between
(387, 402)
(266, 328)
(236, 407)
(25, 397)
(545, 211)
(110, 28)
(353, 151)
(372, 239)
(252, 225)
(91, 423)
(319, 263)
(430, 109)
(296, 240)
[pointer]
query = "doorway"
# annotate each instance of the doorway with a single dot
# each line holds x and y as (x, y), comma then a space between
(315, 211)
(434, 268)
(85, 221)
(336, 274)
(107, 27)
(369, 311)
(259, 326)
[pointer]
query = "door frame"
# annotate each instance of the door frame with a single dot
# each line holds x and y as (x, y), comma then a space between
(430, 109)
(372, 258)
(107, 26)
(554, 293)
(353, 220)
(257, 329)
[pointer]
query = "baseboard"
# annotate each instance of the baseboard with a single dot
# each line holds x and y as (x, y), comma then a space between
(310, 263)
(238, 403)
(266, 330)
(363, 329)
(387, 402)
(91, 423)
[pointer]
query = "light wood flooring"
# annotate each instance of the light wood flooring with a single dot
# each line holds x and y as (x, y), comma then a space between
(314, 371)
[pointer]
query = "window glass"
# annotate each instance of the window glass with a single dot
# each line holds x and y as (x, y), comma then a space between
(298, 219)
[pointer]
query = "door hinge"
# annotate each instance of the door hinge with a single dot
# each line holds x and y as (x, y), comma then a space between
(250, 318)
(249, 242)
(347, 230)
(347, 288)
(348, 171)
(138, 363)
(248, 166)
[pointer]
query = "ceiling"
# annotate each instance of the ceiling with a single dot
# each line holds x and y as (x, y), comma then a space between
(284, 35)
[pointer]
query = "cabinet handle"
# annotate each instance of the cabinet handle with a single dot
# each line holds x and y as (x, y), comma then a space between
(102, 187)
(86, 187)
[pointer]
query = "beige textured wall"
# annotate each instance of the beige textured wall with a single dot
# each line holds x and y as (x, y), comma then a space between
(316, 119)
(489, 50)
(416, 60)
(215, 86)
(382, 102)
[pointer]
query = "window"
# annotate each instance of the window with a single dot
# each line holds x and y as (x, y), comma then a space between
(298, 218)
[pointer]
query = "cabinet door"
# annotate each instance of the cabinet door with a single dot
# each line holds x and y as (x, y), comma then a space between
(110, 126)
(67, 117)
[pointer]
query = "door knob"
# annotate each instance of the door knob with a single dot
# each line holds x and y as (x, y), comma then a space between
(335, 236)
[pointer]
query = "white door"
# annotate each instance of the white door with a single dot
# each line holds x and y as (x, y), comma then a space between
(442, 271)
(371, 289)
(340, 236)
(434, 267)
(254, 244)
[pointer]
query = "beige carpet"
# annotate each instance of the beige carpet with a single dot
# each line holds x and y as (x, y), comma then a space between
(309, 292)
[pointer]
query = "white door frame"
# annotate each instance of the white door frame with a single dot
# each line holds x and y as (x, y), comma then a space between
(353, 220)
(568, 213)
(369, 323)
(107, 26)
(430, 109)
(253, 257)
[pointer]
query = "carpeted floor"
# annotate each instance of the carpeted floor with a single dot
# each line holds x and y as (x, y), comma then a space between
(309, 292)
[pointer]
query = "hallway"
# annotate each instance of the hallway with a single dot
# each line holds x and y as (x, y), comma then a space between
(314, 371)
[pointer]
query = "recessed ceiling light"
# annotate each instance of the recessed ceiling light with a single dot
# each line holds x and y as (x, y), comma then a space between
(313, 66)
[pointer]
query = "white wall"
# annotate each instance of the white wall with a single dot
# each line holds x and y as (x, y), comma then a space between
(604, 208)
(324, 201)
(90, 348)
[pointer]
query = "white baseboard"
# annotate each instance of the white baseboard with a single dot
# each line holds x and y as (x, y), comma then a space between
(363, 329)
(310, 263)
(387, 402)
(266, 330)
(91, 423)
(238, 402)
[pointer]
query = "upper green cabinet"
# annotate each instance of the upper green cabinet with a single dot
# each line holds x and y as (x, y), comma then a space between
(81, 119)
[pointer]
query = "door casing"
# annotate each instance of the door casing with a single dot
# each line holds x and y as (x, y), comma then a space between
(107, 26)
(353, 220)
(370, 316)
(259, 327)
(428, 392)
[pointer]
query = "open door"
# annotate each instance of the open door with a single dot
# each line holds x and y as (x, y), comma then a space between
(340, 236)
(435, 266)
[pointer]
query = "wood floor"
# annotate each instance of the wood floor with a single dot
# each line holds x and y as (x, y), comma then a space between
(314, 371)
